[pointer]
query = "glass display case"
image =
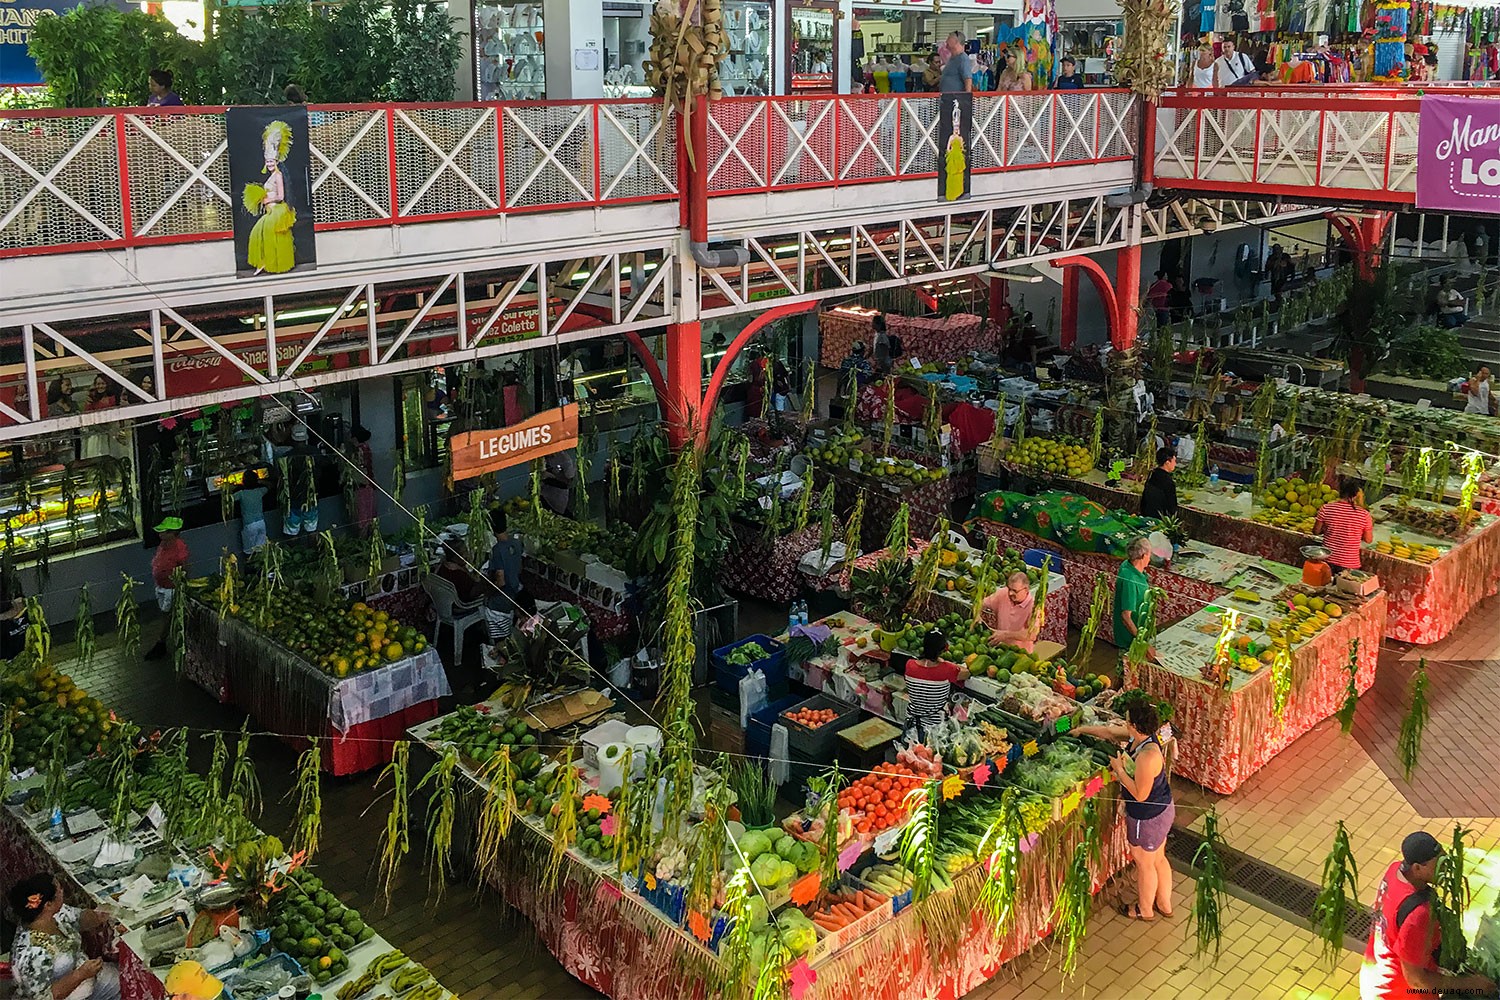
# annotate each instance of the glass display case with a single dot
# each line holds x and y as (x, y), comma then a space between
(55, 508)
(812, 46)
(627, 46)
(746, 70)
(508, 57)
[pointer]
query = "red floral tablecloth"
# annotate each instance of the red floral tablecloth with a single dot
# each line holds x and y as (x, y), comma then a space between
(1224, 737)
(767, 571)
(21, 854)
(926, 339)
(1054, 611)
(620, 945)
(1184, 595)
(608, 625)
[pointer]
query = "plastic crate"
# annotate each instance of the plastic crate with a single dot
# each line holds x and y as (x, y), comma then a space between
(727, 676)
(758, 733)
(729, 700)
(818, 744)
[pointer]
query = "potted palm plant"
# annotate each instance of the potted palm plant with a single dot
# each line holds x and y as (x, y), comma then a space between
(882, 593)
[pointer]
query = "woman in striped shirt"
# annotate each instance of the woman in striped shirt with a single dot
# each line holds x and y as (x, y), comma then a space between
(1344, 525)
(929, 681)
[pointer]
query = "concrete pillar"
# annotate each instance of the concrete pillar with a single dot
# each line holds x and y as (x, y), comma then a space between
(574, 36)
(462, 13)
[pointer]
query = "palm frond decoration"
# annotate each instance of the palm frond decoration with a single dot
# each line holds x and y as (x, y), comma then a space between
(773, 516)
(83, 627)
(828, 792)
(1075, 897)
(853, 527)
(1140, 645)
(925, 577)
(562, 823)
(497, 776)
(1001, 849)
(184, 816)
(442, 806)
(1039, 608)
(707, 861)
(38, 639)
(216, 820)
(1098, 605)
(1409, 742)
(122, 776)
(851, 405)
(244, 786)
(810, 392)
(826, 516)
(395, 839)
(1451, 897)
(898, 535)
(1209, 896)
(984, 585)
(1340, 884)
(307, 826)
(804, 505)
(918, 844)
(1351, 690)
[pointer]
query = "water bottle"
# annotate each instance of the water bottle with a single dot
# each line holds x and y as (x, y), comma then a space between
(802, 611)
(56, 828)
(792, 621)
(1213, 475)
(952, 369)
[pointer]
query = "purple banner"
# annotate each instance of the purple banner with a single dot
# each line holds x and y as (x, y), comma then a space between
(1458, 154)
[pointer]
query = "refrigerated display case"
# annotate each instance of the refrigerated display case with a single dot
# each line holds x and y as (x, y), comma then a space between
(509, 64)
(56, 508)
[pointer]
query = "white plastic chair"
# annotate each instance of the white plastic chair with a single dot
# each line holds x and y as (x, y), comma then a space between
(445, 602)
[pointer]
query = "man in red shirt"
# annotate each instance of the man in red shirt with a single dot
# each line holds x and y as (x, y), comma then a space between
(1157, 294)
(1345, 524)
(1401, 956)
(171, 552)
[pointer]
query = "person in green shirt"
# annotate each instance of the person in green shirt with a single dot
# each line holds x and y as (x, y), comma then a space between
(1131, 586)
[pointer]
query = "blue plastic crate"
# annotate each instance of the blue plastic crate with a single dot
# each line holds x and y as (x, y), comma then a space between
(758, 734)
(668, 897)
(727, 676)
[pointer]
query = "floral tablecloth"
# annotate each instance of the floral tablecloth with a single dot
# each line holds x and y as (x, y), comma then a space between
(1054, 612)
(608, 624)
(22, 854)
(1427, 601)
(1224, 737)
(926, 339)
(767, 571)
(1184, 595)
(940, 949)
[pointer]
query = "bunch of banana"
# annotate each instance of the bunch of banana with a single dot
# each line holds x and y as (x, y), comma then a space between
(409, 979)
(359, 987)
(432, 991)
(387, 963)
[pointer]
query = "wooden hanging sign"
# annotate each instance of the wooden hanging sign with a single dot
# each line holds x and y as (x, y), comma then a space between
(478, 452)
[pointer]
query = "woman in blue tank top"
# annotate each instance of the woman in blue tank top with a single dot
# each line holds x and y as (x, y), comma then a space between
(1148, 806)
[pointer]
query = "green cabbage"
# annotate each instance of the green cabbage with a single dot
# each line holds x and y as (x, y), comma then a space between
(754, 843)
(799, 936)
(766, 870)
(808, 858)
(786, 847)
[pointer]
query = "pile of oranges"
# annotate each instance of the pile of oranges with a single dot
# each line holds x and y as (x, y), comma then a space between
(811, 718)
(877, 801)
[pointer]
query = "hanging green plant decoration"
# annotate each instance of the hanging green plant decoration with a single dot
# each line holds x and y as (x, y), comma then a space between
(1351, 690)
(498, 778)
(83, 627)
(395, 839)
(918, 843)
(826, 516)
(1208, 892)
(307, 827)
(441, 808)
(562, 822)
(177, 629)
(128, 619)
(38, 638)
(707, 858)
(1340, 884)
(853, 527)
(1409, 741)
(122, 777)
(828, 803)
(1097, 608)
(1075, 898)
(1001, 849)
(810, 393)
(244, 786)
(898, 535)
(1451, 898)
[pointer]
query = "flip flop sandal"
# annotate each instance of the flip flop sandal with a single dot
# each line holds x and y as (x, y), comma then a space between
(1133, 912)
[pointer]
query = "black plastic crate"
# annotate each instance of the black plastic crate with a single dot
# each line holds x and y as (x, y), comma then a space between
(818, 744)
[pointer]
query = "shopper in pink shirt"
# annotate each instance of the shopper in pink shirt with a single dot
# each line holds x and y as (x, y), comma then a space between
(1008, 612)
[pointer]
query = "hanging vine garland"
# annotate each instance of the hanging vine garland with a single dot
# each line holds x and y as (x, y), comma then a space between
(1001, 847)
(307, 794)
(83, 627)
(1330, 913)
(498, 778)
(128, 619)
(395, 839)
(1409, 741)
(1208, 892)
(177, 630)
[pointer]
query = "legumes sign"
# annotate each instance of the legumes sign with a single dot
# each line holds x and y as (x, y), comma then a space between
(1458, 154)
(478, 452)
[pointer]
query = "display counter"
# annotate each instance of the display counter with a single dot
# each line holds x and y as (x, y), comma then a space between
(755, 567)
(359, 716)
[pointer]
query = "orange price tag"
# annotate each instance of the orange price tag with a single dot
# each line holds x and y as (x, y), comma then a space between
(598, 802)
(698, 924)
(805, 889)
(953, 786)
(650, 881)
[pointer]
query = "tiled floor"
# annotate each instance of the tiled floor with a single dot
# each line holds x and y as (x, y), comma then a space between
(1284, 815)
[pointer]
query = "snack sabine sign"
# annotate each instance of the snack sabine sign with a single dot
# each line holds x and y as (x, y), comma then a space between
(478, 452)
(1458, 154)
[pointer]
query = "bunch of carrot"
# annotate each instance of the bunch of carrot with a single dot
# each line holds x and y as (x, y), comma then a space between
(839, 910)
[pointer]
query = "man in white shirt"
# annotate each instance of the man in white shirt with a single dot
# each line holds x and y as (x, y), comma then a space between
(1231, 66)
(1478, 394)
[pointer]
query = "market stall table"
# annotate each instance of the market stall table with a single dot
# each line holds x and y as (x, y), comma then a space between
(359, 717)
(767, 570)
(609, 624)
(1226, 736)
(927, 339)
(926, 502)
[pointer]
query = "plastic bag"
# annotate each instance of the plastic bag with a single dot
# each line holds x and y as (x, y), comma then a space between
(753, 696)
(780, 751)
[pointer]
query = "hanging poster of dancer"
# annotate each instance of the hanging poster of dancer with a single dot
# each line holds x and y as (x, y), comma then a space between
(270, 177)
(954, 135)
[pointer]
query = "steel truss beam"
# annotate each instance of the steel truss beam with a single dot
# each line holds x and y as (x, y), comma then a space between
(355, 330)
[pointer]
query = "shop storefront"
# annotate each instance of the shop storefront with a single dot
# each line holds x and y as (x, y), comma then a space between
(509, 64)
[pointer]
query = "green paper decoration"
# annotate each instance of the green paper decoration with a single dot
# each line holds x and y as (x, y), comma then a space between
(1340, 885)
(1208, 895)
(1409, 741)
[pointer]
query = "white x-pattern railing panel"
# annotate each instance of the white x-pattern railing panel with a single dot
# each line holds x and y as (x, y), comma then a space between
(105, 179)
(758, 144)
(177, 355)
(1360, 147)
(876, 252)
(1190, 216)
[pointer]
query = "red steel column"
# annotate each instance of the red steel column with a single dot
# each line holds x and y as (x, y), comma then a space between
(1068, 333)
(684, 381)
(1127, 295)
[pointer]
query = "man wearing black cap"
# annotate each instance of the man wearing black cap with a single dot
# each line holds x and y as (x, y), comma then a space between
(1401, 956)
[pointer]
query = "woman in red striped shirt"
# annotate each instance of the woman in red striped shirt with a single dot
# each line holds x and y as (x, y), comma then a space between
(1345, 525)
